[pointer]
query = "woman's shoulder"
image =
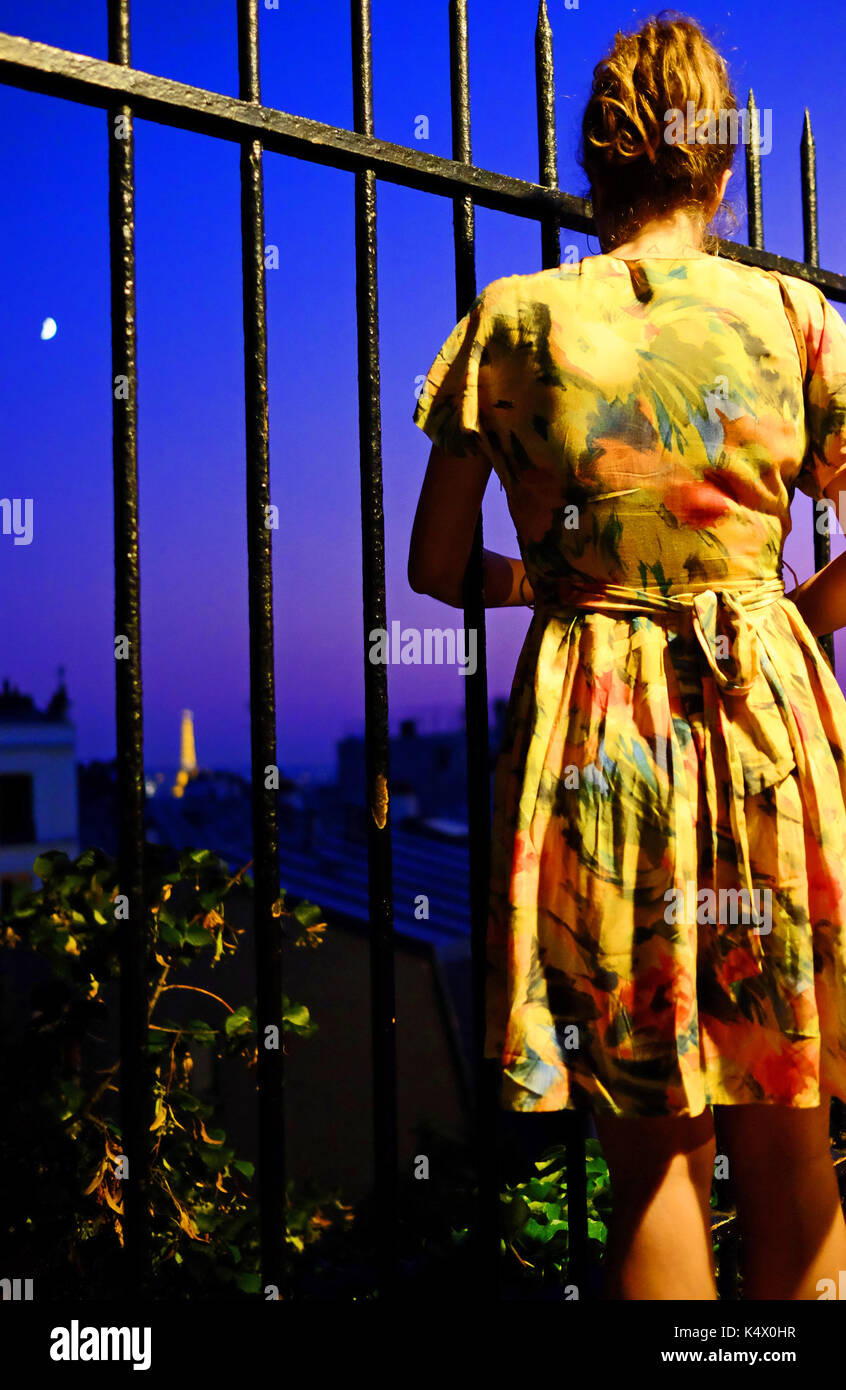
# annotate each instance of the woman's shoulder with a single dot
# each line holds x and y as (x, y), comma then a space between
(511, 299)
(719, 279)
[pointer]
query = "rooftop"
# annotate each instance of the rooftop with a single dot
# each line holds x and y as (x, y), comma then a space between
(17, 708)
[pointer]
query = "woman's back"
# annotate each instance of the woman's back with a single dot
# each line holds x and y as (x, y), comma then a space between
(645, 417)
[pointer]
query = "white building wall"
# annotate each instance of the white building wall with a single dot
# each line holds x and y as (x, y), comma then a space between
(47, 753)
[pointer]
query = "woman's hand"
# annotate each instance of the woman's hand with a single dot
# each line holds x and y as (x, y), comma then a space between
(821, 600)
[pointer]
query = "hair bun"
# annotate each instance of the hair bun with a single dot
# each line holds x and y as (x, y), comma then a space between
(629, 149)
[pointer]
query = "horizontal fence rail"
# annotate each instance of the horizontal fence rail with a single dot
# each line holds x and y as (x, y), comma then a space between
(39, 67)
(127, 93)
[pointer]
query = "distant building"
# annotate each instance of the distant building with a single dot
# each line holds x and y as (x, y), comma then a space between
(428, 774)
(187, 753)
(38, 782)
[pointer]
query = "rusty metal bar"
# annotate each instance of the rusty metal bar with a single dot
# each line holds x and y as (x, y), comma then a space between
(573, 1122)
(380, 875)
(809, 193)
(486, 1230)
(547, 141)
(39, 67)
(136, 1104)
(271, 1170)
(754, 197)
(810, 232)
(822, 539)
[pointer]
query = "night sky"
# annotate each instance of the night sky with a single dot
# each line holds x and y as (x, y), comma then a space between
(55, 395)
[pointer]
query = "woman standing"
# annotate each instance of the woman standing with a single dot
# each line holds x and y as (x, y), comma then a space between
(667, 928)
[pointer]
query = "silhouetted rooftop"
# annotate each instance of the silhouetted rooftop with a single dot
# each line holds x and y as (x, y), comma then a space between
(17, 708)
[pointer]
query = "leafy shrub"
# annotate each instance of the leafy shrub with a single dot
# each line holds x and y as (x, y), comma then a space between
(58, 1162)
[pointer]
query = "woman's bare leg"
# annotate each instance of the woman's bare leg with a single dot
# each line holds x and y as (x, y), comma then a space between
(791, 1221)
(659, 1244)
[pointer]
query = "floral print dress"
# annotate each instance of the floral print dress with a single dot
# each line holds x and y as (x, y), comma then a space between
(667, 923)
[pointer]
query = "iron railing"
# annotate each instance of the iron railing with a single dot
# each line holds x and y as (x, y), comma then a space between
(126, 93)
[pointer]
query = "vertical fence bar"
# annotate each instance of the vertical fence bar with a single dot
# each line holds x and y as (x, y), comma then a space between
(136, 1112)
(382, 983)
(822, 539)
(809, 193)
(486, 1237)
(547, 139)
(574, 1122)
(755, 237)
(808, 157)
(729, 1268)
(268, 927)
(754, 197)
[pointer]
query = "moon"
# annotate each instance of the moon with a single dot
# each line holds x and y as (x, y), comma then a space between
(49, 328)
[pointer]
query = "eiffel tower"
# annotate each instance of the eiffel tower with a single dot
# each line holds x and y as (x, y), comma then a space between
(187, 753)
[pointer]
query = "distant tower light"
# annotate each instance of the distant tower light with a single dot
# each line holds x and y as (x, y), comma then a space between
(187, 746)
(187, 753)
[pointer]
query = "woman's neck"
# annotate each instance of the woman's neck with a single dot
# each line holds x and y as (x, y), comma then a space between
(664, 237)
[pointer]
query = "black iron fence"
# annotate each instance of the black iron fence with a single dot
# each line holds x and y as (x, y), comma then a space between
(125, 93)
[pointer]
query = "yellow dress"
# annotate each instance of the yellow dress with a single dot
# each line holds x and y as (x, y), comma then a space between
(667, 925)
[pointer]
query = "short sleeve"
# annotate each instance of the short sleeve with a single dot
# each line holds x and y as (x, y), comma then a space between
(447, 408)
(824, 468)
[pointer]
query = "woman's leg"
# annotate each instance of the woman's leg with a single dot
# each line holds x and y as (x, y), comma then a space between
(791, 1222)
(659, 1244)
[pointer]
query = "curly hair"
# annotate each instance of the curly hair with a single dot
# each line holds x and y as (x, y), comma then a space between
(636, 168)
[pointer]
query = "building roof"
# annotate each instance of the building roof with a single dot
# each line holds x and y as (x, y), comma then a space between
(17, 708)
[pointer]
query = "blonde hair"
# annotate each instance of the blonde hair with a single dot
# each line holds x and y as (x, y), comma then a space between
(635, 171)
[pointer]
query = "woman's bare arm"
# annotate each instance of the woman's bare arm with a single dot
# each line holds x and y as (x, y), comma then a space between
(822, 599)
(442, 536)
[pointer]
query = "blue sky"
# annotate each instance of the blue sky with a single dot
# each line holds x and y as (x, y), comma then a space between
(55, 405)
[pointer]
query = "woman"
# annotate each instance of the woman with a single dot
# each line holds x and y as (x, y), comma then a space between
(667, 930)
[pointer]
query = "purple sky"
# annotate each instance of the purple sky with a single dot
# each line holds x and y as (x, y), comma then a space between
(55, 404)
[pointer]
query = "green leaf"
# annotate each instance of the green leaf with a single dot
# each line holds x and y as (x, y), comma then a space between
(215, 1158)
(308, 913)
(241, 1021)
(533, 1230)
(184, 1099)
(197, 935)
(170, 933)
(48, 861)
(539, 1189)
(244, 1166)
(248, 1283)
